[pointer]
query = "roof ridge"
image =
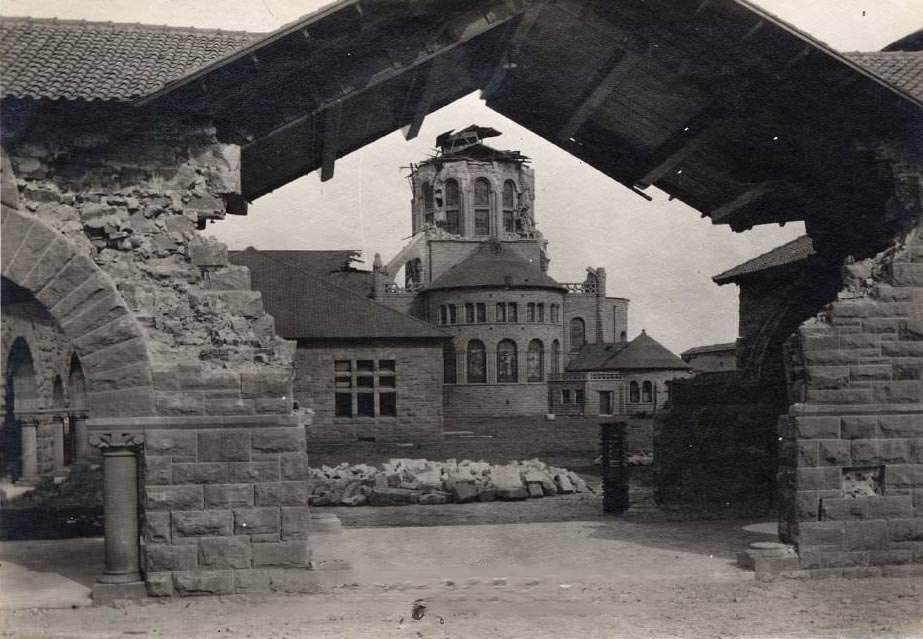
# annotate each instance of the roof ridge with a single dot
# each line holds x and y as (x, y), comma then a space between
(140, 26)
(340, 289)
(800, 238)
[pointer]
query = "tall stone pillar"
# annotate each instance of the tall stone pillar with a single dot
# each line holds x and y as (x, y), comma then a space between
(29, 450)
(81, 438)
(59, 423)
(121, 578)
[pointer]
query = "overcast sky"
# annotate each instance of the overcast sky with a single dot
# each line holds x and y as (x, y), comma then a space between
(659, 254)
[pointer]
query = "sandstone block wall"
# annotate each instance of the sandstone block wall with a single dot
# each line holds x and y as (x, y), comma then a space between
(225, 504)
(851, 470)
(418, 377)
(487, 400)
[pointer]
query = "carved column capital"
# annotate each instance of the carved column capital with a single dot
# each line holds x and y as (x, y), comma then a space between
(107, 440)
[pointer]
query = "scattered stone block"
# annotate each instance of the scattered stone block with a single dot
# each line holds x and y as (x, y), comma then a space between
(392, 497)
(464, 492)
(434, 498)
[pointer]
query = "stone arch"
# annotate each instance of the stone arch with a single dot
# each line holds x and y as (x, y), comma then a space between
(76, 385)
(57, 393)
(86, 305)
(20, 385)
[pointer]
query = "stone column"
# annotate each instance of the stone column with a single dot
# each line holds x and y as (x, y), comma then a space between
(79, 433)
(121, 578)
(59, 443)
(28, 433)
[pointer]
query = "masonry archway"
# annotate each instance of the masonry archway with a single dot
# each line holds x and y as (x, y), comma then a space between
(84, 302)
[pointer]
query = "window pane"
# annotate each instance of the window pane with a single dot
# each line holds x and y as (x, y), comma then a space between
(501, 312)
(507, 366)
(530, 312)
(555, 356)
(451, 193)
(508, 225)
(469, 313)
(577, 333)
(481, 192)
(578, 397)
(365, 365)
(342, 366)
(535, 361)
(387, 404)
(365, 381)
(541, 312)
(427, 196)
(386, 380)
(565, 397)
(344, 382)
(344, 405)
(508, 194)
(443, 315)
(453, 316)
(512, 311)
(481, 222)
(477, 370)
(482, 312)
(365, 404)
(386, 365)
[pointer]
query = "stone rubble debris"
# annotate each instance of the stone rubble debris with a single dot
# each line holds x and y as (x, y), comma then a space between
(419, 481)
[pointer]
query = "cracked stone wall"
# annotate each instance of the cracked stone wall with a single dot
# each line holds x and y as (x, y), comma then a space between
(183, 351)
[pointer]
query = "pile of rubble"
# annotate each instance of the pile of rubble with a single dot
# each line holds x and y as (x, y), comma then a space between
(418, 481)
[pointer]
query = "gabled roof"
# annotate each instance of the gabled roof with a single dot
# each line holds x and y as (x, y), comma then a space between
(80, 60)
(306, 306)
(641, 353)
(903, 69)
(494, 265)
(335, 266)
(798, 249)
(709, 348)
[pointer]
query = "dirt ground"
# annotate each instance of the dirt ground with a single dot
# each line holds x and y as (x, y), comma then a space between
(648, 574)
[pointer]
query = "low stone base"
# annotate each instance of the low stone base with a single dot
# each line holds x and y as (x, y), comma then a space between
(767, 557)
(914, 571)
(104, 594)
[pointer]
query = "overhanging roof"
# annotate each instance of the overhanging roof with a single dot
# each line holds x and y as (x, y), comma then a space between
(716, 102)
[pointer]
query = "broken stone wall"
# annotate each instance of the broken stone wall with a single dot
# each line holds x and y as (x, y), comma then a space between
(851, 474)
(182, 350)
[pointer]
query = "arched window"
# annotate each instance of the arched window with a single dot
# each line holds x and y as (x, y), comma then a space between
(452, 207)
(647, 392)
(21, 386)
(477, 362)
(536, 361)
(481, 207)
(76, 385)
(509, 205)
(555, 356)
(57, 392)
(634, 393)
(428, 206)
(577, 333)
(449, 368)
(507, 362)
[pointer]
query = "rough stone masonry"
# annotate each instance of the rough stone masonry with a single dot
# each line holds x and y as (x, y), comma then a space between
(101, 228)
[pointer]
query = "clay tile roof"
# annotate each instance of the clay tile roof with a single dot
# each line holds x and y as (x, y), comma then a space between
(902, 69)
(306, 306)
(643, 352)
(709, 348)
(80, 60)
(494, 265)
(798, 249)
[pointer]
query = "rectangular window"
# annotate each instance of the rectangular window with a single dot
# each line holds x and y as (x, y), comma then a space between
(453, 316)
(579, 397)
(512, 312)
(501, 312)
(565, 396)
(541, 312)
(362, 384)
(443, 315)
(530, 312)
(481, 312)
(481, 221)
(469, 313)
(554, 313)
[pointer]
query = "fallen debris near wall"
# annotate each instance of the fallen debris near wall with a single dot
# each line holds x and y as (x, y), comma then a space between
(419, 481)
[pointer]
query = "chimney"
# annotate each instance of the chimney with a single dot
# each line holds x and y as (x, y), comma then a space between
(379, 278)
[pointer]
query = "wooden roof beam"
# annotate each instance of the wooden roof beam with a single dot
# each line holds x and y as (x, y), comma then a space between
(739, 212)
(617, 73)
(507, 59)
(331, 140)
(433, 75)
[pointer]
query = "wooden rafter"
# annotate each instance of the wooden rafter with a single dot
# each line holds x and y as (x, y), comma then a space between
(331, 140)
(616, 74)
(507, 58)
